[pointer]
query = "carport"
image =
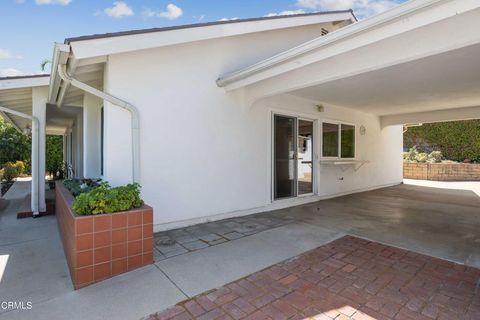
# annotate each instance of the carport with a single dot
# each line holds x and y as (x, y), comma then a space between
(415, 63)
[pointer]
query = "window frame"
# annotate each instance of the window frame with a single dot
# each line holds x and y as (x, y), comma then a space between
(339, 124)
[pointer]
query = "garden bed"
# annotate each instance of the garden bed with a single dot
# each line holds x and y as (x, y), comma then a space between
(5, 186)
(442, 171)
(98, 247)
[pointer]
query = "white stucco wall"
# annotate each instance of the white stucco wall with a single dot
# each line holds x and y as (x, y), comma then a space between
(204, 152)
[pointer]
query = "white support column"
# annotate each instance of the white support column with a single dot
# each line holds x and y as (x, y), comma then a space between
(67, 146)
(92, 108)
(64, 146)
(39, 108)
(78, 146)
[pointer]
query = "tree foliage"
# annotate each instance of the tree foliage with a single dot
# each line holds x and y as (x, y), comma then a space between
(457, 140)
(14, 146)
(54, 155)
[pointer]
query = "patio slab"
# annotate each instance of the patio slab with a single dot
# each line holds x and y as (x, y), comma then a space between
(441, 223)
(437, 222)
(208, 268)
(185, 240)
(350, 278)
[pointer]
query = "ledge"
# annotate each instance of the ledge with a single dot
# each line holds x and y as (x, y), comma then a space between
(357, 164)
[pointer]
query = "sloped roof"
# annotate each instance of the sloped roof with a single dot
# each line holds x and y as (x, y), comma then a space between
(198, 25)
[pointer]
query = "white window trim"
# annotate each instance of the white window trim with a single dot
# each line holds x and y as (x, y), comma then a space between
(339, 123)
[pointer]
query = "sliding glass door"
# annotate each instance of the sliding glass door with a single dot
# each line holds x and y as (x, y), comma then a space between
(293, 156)
(284, 157)
(305, 157)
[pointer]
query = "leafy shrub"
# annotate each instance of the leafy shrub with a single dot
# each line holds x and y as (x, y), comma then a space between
(21, 167)
(422, 157)
(10, 171)
(13, 144)
(54, 156)
(457, 140)
(411, 155)
(78, 186)
(105, 199)
(435, 156)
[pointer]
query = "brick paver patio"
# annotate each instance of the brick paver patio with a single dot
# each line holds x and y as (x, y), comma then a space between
(350, 278)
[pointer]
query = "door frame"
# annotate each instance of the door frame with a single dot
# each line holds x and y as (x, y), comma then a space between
(297, 116)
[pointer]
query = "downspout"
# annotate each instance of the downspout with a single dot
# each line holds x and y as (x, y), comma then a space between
(62, 72)
(35, 160)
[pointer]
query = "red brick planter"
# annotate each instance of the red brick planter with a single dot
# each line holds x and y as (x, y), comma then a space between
(102, 246)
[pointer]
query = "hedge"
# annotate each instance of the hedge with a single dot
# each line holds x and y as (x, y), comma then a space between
(457, 140)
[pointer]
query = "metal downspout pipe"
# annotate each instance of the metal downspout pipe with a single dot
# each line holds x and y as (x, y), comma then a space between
(35, 157)
(62, 72)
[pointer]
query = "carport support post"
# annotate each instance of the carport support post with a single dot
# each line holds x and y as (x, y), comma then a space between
(39, 108)
(92, 109)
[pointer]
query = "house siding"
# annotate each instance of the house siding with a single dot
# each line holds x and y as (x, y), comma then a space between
(206, 153)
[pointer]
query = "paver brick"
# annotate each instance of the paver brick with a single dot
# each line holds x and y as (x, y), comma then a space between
(349, 278)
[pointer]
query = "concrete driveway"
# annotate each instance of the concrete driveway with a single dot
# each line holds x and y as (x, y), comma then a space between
(436, 222)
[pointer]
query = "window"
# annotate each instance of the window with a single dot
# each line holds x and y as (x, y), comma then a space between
(330, 140)
(338, 140)
(347, 145)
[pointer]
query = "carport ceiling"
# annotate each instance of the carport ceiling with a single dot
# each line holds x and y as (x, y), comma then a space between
(443, 81)
(19, 99)
(59, 119)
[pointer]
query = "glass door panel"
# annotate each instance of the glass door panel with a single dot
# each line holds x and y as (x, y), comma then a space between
(305, 157)
(284, 157)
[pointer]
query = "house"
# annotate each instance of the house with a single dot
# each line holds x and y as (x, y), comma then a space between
(230, 118)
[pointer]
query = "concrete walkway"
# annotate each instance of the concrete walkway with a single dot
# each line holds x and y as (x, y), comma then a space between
(35, 270)
(20, 189)
(473, 186)
(436, 222)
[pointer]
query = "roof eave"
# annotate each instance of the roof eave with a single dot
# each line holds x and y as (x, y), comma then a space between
(202, 25)
(103, 45)
(18, 82)
(61, 53)
(238, 79)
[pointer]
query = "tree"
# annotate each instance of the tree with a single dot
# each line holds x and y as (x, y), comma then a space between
(54, 155)
(14, 146)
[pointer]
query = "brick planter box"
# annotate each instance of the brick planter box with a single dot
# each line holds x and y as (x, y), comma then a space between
(441, 171)
(102, 246)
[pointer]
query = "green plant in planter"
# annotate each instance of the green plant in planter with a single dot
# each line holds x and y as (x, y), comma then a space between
(411, 155)
(422, 157)
(104, 199)
(78, 186)
(435, 156)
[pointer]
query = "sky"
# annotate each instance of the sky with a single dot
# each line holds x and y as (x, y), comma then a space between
(29, 28)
